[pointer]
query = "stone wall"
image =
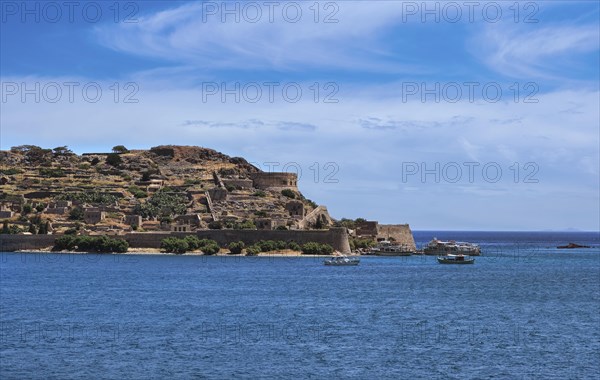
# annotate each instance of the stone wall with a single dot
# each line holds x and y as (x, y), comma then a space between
(400, 232)
(11, 243)
(336, 237)
(266, 181)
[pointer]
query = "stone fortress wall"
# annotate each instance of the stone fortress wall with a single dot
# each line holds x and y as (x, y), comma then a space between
(336, 237)
(275, 181)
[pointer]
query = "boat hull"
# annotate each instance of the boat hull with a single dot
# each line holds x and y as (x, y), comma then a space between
(349, 264)
(393, 253)
(438, 252)
(443, 260)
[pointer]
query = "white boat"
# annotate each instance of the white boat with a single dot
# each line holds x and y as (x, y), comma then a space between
(455, 259)
(439, 247)
(342, 261)
(387, 248)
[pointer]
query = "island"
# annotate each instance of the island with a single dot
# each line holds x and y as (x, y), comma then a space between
(174, 198)
(572, 246)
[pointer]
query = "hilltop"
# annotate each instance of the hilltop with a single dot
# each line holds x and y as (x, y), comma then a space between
(164, 188)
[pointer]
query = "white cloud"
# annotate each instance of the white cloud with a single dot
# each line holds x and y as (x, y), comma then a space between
(541, 52)
(192, 34)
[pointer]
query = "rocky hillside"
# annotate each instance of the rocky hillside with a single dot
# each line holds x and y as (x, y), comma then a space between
(177, 188)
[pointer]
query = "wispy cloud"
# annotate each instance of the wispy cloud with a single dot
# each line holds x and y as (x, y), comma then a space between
(252, 124)
(375, 123)
(191, 34)
(546, 53)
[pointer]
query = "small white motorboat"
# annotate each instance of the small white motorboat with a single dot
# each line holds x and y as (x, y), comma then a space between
(342, 261)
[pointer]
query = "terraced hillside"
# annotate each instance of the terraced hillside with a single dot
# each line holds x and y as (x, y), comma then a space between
(165, 188)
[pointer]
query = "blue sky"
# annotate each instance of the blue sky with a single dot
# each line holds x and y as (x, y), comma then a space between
(400, 93)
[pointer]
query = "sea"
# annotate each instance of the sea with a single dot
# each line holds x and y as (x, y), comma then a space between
(524, 310)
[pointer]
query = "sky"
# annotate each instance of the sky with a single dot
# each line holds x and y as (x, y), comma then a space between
(443, 115)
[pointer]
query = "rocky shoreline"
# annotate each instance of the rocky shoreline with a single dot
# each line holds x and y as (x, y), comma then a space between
(156, 251)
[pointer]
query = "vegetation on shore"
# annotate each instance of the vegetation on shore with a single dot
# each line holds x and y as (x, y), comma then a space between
(90, 244)
(211, 247)
(189, 243)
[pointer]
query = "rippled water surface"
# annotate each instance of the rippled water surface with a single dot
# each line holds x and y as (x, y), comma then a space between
(523, 310)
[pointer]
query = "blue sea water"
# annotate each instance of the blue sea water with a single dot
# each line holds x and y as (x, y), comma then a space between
(524, 310)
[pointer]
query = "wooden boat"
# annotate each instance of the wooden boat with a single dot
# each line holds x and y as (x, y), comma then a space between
(455, 259)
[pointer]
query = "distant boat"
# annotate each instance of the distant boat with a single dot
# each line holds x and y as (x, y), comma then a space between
(455, 259)
(387, 248)
(438, 247)
(342, 261)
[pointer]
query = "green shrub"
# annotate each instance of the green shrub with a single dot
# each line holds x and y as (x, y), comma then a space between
(90, 244)
(313, 248)
(137, 192)
(266, 245)
(76, 213)
(288, 193)
(65, 242)
(211, 249)
(253, 250)
(113, 159)
(312, 203)
(94, 197)
(27, 208)
(280, 245)
(10, 171)
(245, 225)
(294, 246)
(193, 242)
(162, 203)
(260, 193)
(281, 228)
(174, 245)
(236, 247)
(52, 172)
(361, 243)
(215, 225)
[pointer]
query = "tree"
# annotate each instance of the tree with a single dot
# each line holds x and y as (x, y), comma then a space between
(27, 208)
(22, 149)
(253, 250)
(211, 249)
(174, 245)
(313, 248)
(119, 149)
(236, 247)
(32, 229)
(76, 214)
(62, 151)
(294, 246)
